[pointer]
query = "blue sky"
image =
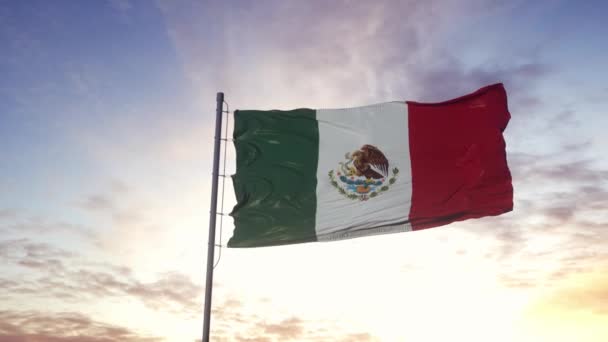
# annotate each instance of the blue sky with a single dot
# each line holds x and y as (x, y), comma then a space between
(106, 121)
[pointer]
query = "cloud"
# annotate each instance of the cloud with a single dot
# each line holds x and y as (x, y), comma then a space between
(165, 218)
(586, 293)
(561, 176)
(110, 206)
(174, 289)
(290, 328)
(558, 227)
(56, 273)
(568, 206)
(566, 119)
(551, 241)
(7, 214)
(31, 253)
(452, 79)
(573, 171)
(119, 187)
(113, 203)
(232, 321)
(353, 54)
(19, 224)
(360, 337)
(97, 203)
(556, 248)
(336, 53)
(26, 326)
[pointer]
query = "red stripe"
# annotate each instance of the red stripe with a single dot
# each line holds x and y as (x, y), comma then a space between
(459, 163)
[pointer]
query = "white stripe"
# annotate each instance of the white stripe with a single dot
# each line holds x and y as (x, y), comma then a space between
(343, 131)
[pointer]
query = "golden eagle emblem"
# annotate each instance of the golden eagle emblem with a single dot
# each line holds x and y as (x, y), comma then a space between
(364, 174)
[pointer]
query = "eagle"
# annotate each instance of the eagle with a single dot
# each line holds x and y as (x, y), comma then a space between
(370, 162)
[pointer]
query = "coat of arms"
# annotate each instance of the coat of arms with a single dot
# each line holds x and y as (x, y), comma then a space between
(364, 174)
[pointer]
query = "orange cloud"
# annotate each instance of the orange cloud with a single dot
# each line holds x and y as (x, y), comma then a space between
(34, 326)
(575, 310)
(232, 322)
(586, 293)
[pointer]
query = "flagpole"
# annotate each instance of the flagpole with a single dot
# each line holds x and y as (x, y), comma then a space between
(213, 215)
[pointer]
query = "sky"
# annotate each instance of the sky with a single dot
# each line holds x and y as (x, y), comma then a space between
(106, 136)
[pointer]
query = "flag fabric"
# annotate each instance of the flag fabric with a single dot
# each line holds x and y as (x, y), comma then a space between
(308, 175)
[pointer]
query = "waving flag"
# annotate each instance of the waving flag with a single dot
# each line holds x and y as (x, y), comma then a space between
(308, 175)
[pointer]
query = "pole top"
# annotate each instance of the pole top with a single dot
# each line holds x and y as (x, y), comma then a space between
(220, 96)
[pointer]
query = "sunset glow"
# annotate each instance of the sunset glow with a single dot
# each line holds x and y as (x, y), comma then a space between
(106, 136)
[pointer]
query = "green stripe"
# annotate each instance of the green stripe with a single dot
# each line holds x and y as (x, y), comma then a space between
(275, 181)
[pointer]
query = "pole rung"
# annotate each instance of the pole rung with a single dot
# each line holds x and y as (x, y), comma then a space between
(222, 175)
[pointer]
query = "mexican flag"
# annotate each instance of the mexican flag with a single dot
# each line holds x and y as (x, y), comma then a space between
(308, 175)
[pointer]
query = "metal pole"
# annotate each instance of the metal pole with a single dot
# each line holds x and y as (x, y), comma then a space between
(213, 215)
